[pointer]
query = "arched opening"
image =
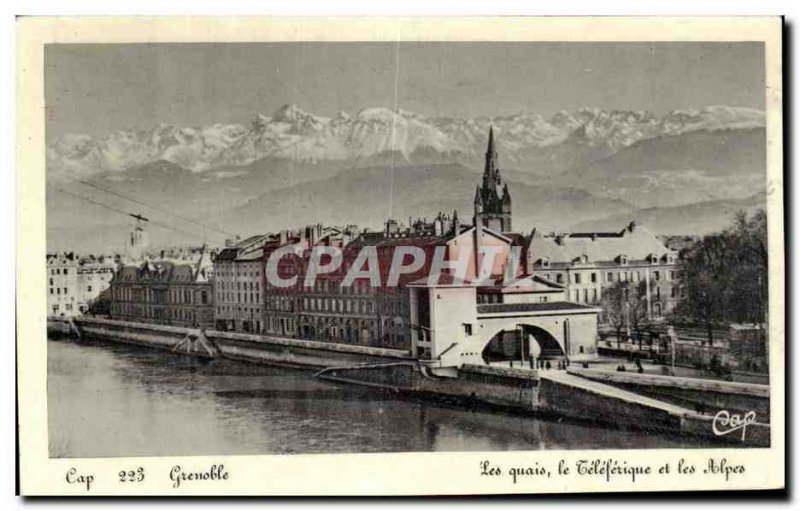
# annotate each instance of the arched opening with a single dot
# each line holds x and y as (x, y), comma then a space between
(515, 345)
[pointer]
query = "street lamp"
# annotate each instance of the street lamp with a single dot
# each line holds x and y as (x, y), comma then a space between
(671, 334)
(627, 321)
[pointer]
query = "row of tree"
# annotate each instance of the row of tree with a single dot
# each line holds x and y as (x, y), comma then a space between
(724, 276)
(722, 279)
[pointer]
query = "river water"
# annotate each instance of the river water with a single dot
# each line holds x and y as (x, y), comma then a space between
(113, 400)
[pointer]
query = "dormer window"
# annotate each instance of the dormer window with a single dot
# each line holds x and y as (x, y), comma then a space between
(584, 259)
(545, 262)
(623, 260)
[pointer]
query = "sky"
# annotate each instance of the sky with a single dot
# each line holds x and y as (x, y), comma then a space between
(99, 89)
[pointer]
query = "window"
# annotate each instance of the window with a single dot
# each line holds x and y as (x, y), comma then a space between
(51, 290)
(559, 278)
(65, 271)
(610, 277)
(89, 289)
(657, 275)
(467, 328)
(577, 278)
(594, 277)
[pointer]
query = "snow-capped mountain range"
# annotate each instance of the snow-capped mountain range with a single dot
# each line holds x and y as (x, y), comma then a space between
(403, 136)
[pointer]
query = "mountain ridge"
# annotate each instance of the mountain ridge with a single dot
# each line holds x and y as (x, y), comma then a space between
(291, 133)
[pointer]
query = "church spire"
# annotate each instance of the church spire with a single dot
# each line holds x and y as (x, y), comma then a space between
(492, 199)
(490, 170)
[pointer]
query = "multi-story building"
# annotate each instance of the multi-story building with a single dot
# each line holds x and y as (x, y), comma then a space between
(325, 310)
(75, 282)
(62, 296)
(588, 263)
(176, 292)
(238, 286)
(94, 279)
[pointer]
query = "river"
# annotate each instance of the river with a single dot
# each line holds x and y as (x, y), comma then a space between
(114, 400)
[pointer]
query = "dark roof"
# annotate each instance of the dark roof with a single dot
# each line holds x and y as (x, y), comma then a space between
(151, 272)
(227, 254)
(495, 308)
(379, 240)
(595, 235)
(443, 279)
(516, 238)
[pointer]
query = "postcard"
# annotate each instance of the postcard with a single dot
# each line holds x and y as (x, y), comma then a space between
(399, 256)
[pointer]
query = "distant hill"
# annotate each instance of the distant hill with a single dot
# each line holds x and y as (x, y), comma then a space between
(697, 218)
(671, 170)
(368, 196)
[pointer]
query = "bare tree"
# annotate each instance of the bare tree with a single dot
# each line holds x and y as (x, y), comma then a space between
(638, 313)
(614, 307)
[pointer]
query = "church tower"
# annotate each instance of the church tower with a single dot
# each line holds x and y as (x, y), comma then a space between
(492, 200)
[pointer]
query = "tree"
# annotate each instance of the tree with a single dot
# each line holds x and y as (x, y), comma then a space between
(625, 304)
(637, 310)
(724, 275)
(614, 307)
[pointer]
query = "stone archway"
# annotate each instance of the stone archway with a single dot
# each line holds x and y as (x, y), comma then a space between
(515, 345)
(549, 347)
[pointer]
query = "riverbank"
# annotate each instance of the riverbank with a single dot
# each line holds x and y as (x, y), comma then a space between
(146, 402)
(639, 406)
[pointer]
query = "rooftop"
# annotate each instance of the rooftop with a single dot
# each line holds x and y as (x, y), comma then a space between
(634, 242)
(497, 308)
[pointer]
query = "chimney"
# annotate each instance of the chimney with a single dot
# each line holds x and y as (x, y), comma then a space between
(437, 226)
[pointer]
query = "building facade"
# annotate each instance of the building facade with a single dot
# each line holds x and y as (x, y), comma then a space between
(75, 282)
(177, 293)
(588, 263)
(62, 296)
(239, 286)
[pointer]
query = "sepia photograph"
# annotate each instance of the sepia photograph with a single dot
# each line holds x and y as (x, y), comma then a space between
(305, 247)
